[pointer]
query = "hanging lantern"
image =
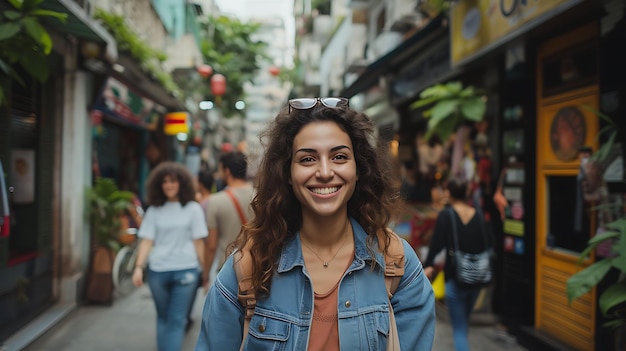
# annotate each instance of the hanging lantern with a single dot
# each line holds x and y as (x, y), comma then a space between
(175, 123)
(205, 70)
(218, 86)
(274, 71)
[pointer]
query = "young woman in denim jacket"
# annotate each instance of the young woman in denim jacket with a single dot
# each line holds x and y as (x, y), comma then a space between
(322, 195)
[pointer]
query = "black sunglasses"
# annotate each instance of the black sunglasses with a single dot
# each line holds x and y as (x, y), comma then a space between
(307, 103)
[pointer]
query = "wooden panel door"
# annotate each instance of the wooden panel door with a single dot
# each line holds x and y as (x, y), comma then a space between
(567, 91)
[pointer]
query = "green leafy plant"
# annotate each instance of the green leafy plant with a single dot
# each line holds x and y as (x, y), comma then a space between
(106, 203)
(612, 302)
(611, 129)
(24, 42)
(149, 59)
(227, 45)
(432, 8)
(451, 106)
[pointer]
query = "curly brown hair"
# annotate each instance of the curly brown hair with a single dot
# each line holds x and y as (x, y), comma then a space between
(278, 213)
(154, 185)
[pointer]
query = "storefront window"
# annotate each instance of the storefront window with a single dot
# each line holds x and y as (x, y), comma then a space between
(570, 69)
(568, 217)
(118, 153)
(22, 174)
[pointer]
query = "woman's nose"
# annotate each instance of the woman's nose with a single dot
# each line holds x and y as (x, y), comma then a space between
(325, 171)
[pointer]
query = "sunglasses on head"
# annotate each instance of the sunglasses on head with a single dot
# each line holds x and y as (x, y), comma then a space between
(307, 103)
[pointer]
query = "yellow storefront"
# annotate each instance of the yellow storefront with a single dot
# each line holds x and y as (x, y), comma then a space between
(558, 44)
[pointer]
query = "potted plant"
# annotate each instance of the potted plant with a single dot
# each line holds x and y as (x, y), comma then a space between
(106, 204)
(612, 301)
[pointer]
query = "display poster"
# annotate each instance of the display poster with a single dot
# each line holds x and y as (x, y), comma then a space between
(23, 176)
(519, 246)
(514, 227)
(509, 243)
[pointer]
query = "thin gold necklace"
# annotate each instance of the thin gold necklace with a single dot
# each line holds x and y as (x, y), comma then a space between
(324, 262)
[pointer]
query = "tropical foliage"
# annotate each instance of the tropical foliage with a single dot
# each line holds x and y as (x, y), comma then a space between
(612, 301)
(228, 47)
(106, 204)
(24, 43)
(127, 40)
(450, 108)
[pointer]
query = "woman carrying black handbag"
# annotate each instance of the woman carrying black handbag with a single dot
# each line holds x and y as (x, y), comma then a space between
(461, 230)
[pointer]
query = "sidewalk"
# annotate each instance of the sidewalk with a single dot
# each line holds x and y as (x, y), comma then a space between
(130, 324)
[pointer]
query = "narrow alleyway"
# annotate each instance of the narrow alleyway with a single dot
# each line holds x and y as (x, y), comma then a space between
(130, 325)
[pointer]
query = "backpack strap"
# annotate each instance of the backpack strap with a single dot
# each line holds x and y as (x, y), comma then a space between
(394, 261)
(242, 216)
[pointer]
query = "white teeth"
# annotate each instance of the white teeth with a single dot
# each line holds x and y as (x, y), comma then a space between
(325, 191)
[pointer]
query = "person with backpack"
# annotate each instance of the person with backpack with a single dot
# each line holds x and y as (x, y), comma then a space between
(227, 210)
(461, 230)
(308, 271)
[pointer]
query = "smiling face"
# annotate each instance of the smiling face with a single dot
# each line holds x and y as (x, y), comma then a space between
(170, 187)
(323, 169)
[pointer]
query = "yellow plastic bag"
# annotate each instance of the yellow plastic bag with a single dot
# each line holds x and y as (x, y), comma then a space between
(439, 286)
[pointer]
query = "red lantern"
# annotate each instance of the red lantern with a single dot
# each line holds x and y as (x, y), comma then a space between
(218, 84)
(274, 71)
(205, 70)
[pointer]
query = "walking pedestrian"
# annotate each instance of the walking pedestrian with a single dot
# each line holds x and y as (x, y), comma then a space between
(317, 273)
(459, 228)
(228, 209)
(172, 244)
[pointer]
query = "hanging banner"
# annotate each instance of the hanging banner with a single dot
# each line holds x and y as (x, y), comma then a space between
(120, 102)
(478, 24)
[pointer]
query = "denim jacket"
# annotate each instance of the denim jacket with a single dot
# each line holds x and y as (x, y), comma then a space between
(281, 321)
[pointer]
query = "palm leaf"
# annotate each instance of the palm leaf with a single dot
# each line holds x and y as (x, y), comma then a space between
(583, 281)
(613, 296)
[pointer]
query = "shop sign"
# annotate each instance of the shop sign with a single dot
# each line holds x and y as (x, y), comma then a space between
(478, 24)
(120, 102)
(175, 123)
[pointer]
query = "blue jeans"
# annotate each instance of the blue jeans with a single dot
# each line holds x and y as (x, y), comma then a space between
(173, 292)
(460, 301)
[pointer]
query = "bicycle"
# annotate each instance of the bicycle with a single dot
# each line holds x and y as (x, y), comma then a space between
(124, 263)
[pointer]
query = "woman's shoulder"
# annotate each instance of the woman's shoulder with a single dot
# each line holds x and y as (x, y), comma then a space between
(193, 206)
(227, 275)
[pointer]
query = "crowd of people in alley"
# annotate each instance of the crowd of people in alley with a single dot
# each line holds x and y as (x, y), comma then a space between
(304, 255)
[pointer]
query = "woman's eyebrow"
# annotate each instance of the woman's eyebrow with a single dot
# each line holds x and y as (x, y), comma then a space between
(336, 148)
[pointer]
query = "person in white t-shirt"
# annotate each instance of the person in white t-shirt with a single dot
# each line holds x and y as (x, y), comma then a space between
(172, 237)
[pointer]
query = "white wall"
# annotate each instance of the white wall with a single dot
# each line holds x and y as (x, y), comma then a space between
(332, 61)
(75, 177)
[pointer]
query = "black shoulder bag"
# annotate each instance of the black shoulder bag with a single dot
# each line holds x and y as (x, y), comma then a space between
(471, 269)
